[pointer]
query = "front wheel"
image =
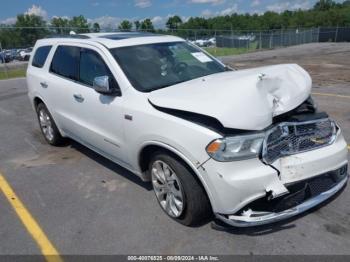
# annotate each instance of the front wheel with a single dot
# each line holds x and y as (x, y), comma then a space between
(178, 192)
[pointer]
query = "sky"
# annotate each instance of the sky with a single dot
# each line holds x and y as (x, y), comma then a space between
(109, 13)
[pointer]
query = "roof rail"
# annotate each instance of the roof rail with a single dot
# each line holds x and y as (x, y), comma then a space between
(69, 36)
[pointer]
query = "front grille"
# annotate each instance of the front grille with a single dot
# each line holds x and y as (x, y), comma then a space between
(292, 138)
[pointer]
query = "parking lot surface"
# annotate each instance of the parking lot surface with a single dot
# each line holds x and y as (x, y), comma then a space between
(86, 204)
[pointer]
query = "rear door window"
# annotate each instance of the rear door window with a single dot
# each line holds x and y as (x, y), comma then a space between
(66, 62)
(41, 55)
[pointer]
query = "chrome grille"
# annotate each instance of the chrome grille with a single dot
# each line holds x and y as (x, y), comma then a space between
(292, 138)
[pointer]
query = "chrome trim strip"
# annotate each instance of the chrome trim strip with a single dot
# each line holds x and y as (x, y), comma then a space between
(266, 218)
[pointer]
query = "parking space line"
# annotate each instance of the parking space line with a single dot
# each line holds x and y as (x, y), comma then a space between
(47, 249)
(332, 95)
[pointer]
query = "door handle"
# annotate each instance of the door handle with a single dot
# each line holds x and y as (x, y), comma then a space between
(44, 84)
(78, 97)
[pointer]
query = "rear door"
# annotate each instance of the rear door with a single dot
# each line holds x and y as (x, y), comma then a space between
(36, 73)
(62, 77)
(97, 118)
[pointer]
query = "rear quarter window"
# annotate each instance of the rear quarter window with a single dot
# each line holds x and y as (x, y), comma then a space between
(41, 55)
(65, 62)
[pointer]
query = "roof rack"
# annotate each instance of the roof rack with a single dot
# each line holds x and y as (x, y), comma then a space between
(126, 35)
(69, 36)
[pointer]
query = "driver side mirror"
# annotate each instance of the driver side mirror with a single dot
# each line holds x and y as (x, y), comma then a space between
(101, 84)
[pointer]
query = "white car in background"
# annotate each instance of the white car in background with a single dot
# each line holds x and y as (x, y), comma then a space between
(25, 54)
(248, 146)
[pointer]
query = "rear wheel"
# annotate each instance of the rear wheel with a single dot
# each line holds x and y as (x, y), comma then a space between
(177, 190)
(48, 126)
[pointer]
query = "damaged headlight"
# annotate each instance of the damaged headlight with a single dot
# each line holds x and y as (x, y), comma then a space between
(236, 148)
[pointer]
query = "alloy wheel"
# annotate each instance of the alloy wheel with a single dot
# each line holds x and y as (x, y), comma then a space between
(167, 188)
(46, 124)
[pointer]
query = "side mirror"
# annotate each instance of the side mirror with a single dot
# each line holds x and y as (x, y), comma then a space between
(101, 84)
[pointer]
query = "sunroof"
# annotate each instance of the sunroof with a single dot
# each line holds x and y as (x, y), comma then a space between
(127, 36)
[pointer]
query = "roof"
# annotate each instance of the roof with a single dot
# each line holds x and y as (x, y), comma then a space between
(118, 39)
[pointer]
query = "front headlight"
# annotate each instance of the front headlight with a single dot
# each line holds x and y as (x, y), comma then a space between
(236, 148)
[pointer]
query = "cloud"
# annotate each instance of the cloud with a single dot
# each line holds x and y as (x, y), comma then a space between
(158, 21)
(207, 13)
(9, 21)
(229, 11)
(280, 7)
(106, 21)
(255, 3)
(302, 5)
(213, 2)
(37, 10)
(143, 3)
(95, 4)
(112, 22)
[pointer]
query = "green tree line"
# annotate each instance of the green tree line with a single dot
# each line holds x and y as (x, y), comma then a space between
(29, 28)
(324, 13)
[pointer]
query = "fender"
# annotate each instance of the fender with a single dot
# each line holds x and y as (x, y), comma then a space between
(195, 169)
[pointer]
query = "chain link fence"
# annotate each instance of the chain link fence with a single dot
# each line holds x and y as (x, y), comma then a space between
(16, 42)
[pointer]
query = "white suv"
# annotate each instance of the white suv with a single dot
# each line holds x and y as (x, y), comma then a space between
(248, 146)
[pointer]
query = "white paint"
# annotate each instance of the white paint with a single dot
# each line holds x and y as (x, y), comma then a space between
(237, 99)
(201, 57)
(240, 99)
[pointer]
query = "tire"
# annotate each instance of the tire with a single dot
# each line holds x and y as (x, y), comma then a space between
(196, 207)
(48, 126)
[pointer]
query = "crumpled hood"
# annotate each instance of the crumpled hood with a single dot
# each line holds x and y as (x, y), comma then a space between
(245, 99)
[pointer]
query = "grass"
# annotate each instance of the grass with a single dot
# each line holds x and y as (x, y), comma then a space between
(12, 73)
(227, 51)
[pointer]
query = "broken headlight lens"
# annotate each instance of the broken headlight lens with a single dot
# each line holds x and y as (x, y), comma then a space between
(236, 148)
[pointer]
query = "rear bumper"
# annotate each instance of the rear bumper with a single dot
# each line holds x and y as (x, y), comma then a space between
(255, 218)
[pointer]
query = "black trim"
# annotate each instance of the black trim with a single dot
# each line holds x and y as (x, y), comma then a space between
(299, 192)
(203, 120)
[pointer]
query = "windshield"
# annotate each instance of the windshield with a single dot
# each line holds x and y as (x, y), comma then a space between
(154, 66)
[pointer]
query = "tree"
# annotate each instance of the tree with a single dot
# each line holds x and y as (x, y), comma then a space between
(79, 24)
(137, 25)
(9, 38)
(125, 25)
(324, 5)
(27, 32)
(147, 25)
(96, 28)
(61, 25)
(173, 22)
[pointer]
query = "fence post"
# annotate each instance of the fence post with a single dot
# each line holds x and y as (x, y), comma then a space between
(260, 46)
(216, 42)
(281, 38)
(3, 60)
(248, 43)
(336, 34)
(232, 42)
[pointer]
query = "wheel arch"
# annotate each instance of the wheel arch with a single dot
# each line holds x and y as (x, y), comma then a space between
(145, 155)
(37, 100)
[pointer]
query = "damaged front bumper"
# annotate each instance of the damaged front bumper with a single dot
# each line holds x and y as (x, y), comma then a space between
(311, 194)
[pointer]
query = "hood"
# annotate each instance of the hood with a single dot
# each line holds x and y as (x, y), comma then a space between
(245, 99)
